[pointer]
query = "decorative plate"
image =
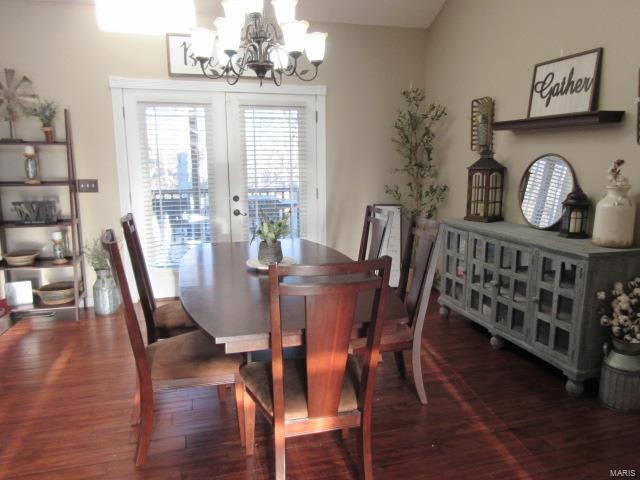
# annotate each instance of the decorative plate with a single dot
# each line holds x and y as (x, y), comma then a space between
(255, 264)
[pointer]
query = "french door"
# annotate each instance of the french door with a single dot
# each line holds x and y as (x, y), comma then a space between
(207, 166)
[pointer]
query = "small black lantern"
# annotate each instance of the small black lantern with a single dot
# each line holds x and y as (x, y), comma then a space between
(575, 215)
(485, 189)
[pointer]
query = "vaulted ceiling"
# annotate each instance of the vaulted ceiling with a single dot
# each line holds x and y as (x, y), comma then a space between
(390, 13)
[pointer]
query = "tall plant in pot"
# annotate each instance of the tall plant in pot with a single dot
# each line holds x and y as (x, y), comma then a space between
(106, 299)
(270, 231)
(414, 140)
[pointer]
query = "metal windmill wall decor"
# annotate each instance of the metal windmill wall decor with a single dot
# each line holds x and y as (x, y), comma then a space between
(16, 96)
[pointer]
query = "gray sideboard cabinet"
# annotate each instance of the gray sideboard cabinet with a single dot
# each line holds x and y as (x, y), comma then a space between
(534, 289)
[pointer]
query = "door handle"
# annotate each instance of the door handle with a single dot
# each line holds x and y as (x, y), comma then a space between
(237, 213)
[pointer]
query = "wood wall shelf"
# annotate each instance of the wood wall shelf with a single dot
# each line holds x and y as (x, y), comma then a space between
(24, 143)
(13, 224)
(43, 183)
(596, 117)
(41, 264)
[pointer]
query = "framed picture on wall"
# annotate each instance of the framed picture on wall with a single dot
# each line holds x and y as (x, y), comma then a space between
(180, 59)
(392, 244)
(566, 85)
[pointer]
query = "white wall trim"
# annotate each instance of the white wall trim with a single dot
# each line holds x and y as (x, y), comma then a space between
(212, 86)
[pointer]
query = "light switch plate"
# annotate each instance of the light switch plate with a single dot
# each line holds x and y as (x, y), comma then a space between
(88, 185)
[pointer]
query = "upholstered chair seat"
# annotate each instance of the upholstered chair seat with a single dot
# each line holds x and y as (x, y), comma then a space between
(257, 380)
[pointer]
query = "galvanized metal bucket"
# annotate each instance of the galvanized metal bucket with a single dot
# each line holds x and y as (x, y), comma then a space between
(620, 377)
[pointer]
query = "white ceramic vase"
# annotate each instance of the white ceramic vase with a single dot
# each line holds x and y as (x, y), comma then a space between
(615, 218)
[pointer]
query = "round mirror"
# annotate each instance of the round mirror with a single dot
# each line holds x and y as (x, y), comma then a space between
(544, 186)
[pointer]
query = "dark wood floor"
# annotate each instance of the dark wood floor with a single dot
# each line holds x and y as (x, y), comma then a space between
(66, 390)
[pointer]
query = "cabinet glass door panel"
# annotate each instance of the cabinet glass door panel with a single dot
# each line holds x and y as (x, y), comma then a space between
(455, 254)
(517, 320)
(523, 260)
(506, 257)
(490, 252)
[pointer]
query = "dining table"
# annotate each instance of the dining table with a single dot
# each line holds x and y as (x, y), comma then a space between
(229, 301)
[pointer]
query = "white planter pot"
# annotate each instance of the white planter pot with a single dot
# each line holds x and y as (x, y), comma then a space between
(615, 218)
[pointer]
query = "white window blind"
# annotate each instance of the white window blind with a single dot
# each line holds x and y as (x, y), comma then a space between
(175, 145)
(274, 164)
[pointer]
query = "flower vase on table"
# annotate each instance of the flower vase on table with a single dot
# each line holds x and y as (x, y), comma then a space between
(270, 231)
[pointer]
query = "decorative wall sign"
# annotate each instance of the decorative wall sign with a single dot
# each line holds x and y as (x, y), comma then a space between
(481, 113)
(566, 85)
(180, 58)
(392, 244)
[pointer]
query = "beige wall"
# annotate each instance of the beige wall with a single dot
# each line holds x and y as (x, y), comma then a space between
(477, 48)
(61, 49)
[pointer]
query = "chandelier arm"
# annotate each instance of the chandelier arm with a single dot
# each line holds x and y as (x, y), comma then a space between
(308, 79)
(232, 79)
(276, 76)
(214, 75)
(290, 71)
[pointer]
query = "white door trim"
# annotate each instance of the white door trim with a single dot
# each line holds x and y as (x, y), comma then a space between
(120, 85)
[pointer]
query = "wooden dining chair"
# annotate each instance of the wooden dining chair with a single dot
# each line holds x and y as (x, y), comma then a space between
(164, 321)
(187, 360)
(376, 221)
(324, 390)
(420, 259)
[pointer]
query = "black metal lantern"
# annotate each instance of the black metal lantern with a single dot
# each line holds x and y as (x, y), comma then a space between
(485, 189)
(575, 215)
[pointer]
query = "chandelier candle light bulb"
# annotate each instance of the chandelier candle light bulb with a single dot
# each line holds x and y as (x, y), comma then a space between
(235, 10)
(202, 42)
(285, 10)
(294, 36)
(314, 46)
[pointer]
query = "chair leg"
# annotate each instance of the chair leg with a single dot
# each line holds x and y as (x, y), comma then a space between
(249, 422)
(145, 429)
(416, 366)
(364, 451)
(279, 450)
(222, 393)
(399, 358)
(239, 394)
(135, 410)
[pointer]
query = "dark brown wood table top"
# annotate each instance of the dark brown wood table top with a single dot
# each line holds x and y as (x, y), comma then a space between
(230, 302)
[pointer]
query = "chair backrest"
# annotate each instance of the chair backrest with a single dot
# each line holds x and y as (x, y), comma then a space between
(422, 246)
(110, 244)
(376, 221)
(143, 282)
(330, 307)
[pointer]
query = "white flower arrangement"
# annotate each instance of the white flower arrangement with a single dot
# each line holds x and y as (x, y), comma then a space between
(620, 311)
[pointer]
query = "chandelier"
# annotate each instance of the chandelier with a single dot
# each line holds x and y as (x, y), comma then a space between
(244, 40)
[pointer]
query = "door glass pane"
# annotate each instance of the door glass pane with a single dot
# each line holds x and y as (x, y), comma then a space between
(567, 275)
(565, 308)
(475, 300)
(477, 248)
(548, 273)
(174, 146)
(503, 286)
(542, 332)
(519, 291)
(561, 341)
(501, 314)
(490, 253)
(475, 274)
(517, 320)
(545, 301)
(522, 261)
(273, 144)
(505, 257)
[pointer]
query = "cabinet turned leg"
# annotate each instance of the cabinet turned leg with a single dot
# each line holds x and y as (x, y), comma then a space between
(496, 342)
(444, 311)
(574, 388)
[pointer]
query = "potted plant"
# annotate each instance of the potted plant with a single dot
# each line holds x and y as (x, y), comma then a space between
(105, 292)
(414, 140)
(270, 231)
(46, 113)
(619, 312)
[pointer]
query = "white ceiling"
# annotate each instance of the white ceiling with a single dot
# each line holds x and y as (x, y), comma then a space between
(390, 13)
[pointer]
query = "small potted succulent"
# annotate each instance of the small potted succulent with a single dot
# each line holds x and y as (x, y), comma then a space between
(270, 231)
(106, 299)
(46, 113)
